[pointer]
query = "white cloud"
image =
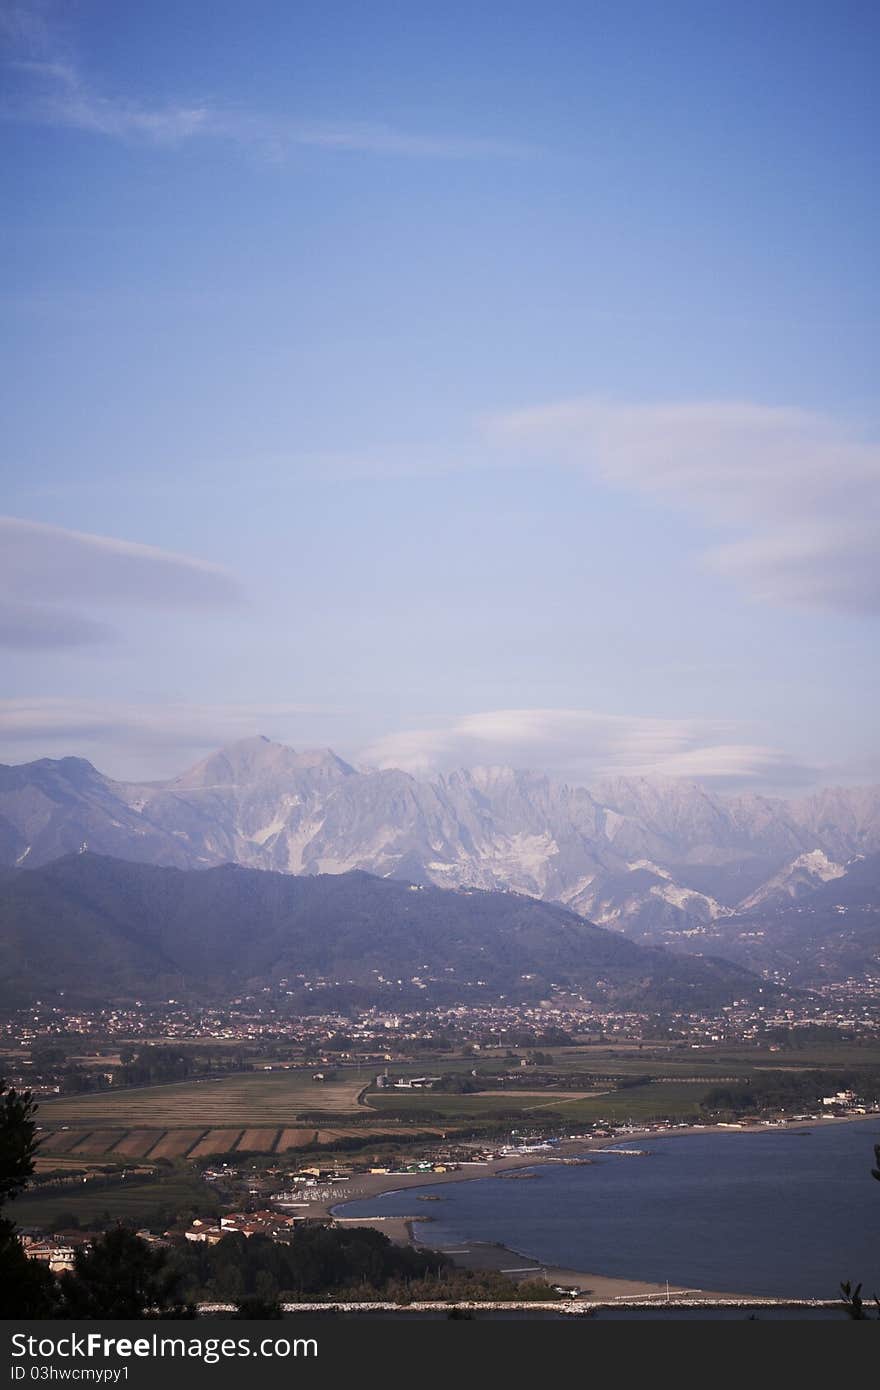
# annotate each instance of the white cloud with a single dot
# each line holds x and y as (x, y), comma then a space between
(35, 627)
(43, 562)
(45, 568)
(586, 746)
(133, 740)
(824, 563)
(58, 95)
(798, 495)
(55, 717)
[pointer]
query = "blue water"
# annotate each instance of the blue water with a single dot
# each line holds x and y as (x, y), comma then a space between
(776, 1212)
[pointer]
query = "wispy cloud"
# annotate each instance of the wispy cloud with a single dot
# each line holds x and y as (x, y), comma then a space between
(39, 561)
(131, 740)
(32, 627)
(58, 95)
(798, 494)
(178, 723)
(44, 569)
(54, 91)
(587, 747)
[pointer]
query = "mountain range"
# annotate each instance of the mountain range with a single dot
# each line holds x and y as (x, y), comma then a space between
(828, 933)
(99, 929)
(664, 861)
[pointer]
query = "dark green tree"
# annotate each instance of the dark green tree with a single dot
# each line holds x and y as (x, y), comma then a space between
(120, 1276)
(18, 1141)
(27, 1289)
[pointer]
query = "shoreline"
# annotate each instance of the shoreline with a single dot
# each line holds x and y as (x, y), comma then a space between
(518, 1264)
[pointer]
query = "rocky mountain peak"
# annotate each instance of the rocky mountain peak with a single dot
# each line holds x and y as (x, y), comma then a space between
(250, 760)
(650, 857)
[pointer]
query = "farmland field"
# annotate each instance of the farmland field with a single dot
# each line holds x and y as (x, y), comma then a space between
(274, 1111)
(134, 1200)
(137, 1143)
(653, 1100)
(258, 1140)
(245, 1098)
(254, 1112)
(176, 1143)
(216, 1141)
(63, 1164)
(98, 1143)
(258, 1111)
(62, 1141)
(486, 1105)
(294, 1139)
(716, 1061)
(538, 1100)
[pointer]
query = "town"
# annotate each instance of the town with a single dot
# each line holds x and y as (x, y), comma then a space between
(192, 1125)
(252, 1027)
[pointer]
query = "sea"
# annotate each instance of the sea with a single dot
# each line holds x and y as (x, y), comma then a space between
(780, 1212)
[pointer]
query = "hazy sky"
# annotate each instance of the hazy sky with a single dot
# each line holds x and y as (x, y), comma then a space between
(448, 383)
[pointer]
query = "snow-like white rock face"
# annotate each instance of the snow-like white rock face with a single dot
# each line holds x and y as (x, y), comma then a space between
(806, 872)
(819, 866)
(649, 857)
(612, 823)
(698, 906)
(650, 867)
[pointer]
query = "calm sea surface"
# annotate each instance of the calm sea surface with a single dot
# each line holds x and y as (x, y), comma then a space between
(776, 1212)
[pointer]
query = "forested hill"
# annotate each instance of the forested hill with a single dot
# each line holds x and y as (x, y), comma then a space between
(102, 928)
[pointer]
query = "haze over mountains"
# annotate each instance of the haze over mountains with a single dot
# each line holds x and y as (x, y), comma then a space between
(660, 860)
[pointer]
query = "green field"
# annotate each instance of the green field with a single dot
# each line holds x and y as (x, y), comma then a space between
(657, 1100)
(132, 1201)
(657, 1060)
(465, 1107)
(266, 1102)
(245, 1098)
(811, 1055)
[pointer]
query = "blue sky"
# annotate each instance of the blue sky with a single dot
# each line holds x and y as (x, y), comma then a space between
(445, 383)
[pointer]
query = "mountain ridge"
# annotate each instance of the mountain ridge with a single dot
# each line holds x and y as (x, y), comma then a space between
(99, 928)
(645, 856)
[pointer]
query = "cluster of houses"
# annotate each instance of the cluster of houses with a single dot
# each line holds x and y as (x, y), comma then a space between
(846, 1101)
(56, 1252)
(209, 1230)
